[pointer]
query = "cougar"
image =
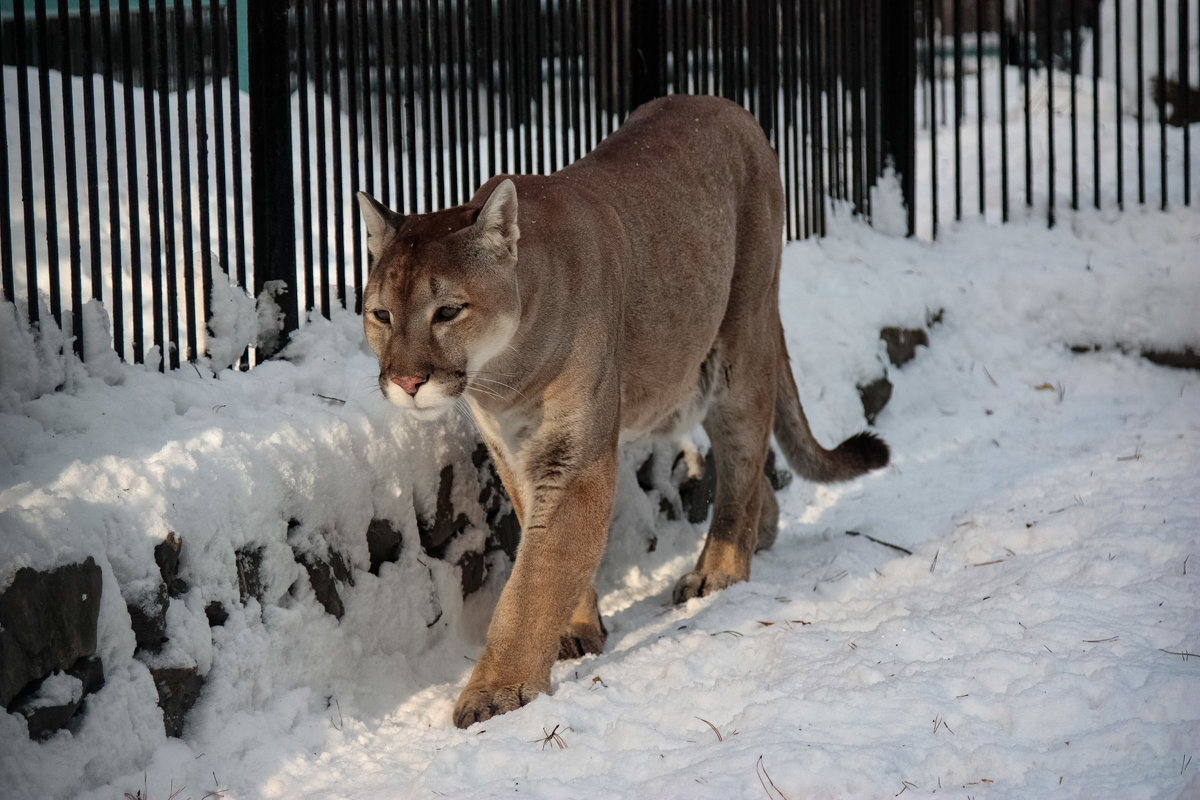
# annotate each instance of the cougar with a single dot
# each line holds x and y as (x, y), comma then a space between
(633, 293)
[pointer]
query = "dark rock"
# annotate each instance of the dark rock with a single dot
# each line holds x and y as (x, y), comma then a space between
(504, 535)
(504, 530)
(166, 555)
(667, 509)
(473, 572)
(696, 493)
(47, 623)
(436, 533)
(148, 618)
(1182, 101)
(1186, 358)
(902, 343)
(875, 396)
(216, 613)
(178, 690)
(249, 572)
(778, 478)
(42, 720)
(90, 672)
(324, 574)
(384, 543)
(645, 474)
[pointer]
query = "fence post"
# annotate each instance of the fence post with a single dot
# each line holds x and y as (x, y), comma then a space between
(271, 188)
(648, 79)
(897, 97)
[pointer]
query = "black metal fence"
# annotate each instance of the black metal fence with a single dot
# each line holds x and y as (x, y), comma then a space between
(146, 161)
(1045, 105)
(436, 97)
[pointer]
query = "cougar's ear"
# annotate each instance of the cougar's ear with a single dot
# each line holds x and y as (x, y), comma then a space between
(382, 223)
(496, 225)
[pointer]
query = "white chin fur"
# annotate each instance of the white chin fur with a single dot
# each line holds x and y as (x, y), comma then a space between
(428, 404)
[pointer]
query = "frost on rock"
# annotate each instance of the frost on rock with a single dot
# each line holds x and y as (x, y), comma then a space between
(270, 317)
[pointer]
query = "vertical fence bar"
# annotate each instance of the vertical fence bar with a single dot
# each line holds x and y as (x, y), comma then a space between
(306, 178)
(185, 181)
(8, 278)
(353, 49)
(1097, 40)
(546, 104)
(1002, 116)
(363, 175)
(486, 47)
(338, 177)
(803, 63)
(468, 105)
(1185, 104)
(1049, 51)
(836, 107)
(575, 66)
(871, 68)
(788, 90)
(26, 148)
(90, 150)
(420, 32)
(897, 112)
(931, 68)
(816, 149)
(367, 174)
(218, 73)
(170, 346)
(71, 169)
(112, 171)
(322, 108)
(48, 180)
(1026, 26)
(358, 83)
(979, 109)
(1073, 15)
(153, 191)
(1162, 106)
(530, 82)
(958, 108)
(202, 174)
(235, 131)
(1119, 112)
(398, 95)
(382, 91)
(861, 179)
(1141, 106)
(271, 191)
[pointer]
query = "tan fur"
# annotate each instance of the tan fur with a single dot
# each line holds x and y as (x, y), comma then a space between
(632, 293)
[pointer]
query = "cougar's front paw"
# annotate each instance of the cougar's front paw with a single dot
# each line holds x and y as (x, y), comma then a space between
(701, 584)
(476, 704)
(580, 639)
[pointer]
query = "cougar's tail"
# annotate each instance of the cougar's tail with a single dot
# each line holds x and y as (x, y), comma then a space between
(860, 453)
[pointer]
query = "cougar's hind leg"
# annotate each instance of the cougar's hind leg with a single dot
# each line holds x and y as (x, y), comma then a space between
(585, 631)
(768, 518)
(738, 424)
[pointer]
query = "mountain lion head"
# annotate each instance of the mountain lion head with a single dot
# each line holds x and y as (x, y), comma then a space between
(441, 298)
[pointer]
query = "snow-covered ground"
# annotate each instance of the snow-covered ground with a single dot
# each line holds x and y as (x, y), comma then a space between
(1035, 643)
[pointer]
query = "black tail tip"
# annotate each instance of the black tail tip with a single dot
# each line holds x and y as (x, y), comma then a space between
(866, 451)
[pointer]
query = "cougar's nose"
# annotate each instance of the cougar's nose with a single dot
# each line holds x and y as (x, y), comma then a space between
(411, 383)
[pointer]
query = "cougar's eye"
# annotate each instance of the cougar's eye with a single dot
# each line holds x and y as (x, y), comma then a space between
(447, 313)
(382, 315)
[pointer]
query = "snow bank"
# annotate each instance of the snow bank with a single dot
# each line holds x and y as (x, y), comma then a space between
(1029, 644)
